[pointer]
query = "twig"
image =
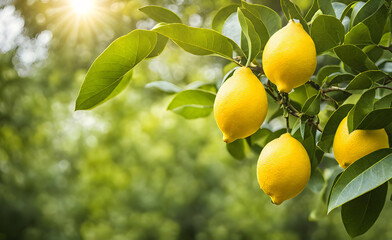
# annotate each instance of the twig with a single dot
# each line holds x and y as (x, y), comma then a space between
(332, 89)
(385, 87)
(385, 48)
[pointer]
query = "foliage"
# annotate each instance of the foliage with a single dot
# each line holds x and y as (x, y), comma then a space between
(354, 46)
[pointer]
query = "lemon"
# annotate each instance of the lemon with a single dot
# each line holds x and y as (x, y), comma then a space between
(240, 105)
(348, 148)
(283, 168)
(289, 57)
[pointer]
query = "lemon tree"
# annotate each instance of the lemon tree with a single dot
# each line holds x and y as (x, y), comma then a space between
(299, 91)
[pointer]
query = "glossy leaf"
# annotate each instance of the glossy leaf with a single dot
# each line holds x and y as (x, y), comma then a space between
(269, 17)
(359, 35)
(221, 16)
(355, 58)
(362, 176)
(361, 213)
(376, 23)
(326, 32)
(159, 46)
(312, 10)
(348, 8)
(161, 14)
(384, 102)
(326, 71)
(164, 86)
(326, 7)
(259, 26)
(365, 79)
(192, 104)
(339, 8)
(376, 119)
(312, 105)
(291, 11)
(363, 106)
(328, 134)
(367, 11)
(253, 40)
(198, 41)
(111, 71)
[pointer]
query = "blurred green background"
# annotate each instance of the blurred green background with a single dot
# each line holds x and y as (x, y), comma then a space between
(128, 169)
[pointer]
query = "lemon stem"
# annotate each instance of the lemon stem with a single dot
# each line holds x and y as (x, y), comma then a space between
(285, 102)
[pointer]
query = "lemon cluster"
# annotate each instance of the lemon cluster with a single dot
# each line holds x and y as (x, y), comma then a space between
(241, 105)
(240, 108)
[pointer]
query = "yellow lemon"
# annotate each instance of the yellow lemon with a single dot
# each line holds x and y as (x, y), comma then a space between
(289, 57)
(283, 168)
(348, 148)
(240, 105)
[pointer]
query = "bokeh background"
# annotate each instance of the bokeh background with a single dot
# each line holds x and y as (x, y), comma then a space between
(128, 169)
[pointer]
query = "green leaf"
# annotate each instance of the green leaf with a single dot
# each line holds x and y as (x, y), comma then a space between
(354, 57)
(312, 10)
(291, 11)
(361, 177)
(363, 106)
(220, 17)
(164, 86)
(360, 214)
(198, 41)
(338, 78)
(237, 149)
(376, 23)
(359, 35)
(327, 32)
(367, 11)
(161, 14)
(192, 104)
(348, 8)
(376, 119)
(338, 8)
(159, 46)
(384, 102)
(328, 134)
(326, 7)
(365, 80)
(259, 26)
(269, 17)
(253, 40)
(326, 71)
(111, 71)
(312, 105)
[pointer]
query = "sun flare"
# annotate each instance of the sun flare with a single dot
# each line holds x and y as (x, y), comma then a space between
(82, 7)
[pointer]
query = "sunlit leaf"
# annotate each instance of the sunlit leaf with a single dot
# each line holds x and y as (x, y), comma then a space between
(192, 104)
(367, 11)
(164, 86)
(112, 69)
(161, 14)
(269, 17)
(221, 16)
(253, 40)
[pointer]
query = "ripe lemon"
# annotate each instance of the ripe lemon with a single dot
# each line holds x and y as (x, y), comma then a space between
(348, 148)
(283, 168)
(240, 105)
(289, 57)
